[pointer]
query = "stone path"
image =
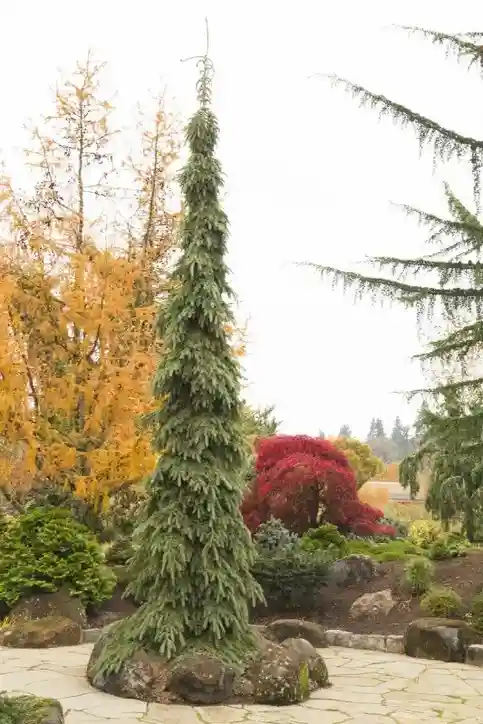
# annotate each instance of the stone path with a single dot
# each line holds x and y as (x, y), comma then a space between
(368, 688)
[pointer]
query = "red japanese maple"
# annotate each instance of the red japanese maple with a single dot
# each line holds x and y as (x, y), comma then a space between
(305, 481)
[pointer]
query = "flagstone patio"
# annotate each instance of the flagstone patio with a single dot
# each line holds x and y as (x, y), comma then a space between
(368, 688)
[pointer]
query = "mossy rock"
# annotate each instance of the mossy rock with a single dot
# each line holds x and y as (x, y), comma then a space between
(45, 605)
(284, 675)
(286, 628)
(440, 639)
(279, 678)
(29, 710)
(143, 675)
(41, 633)
(318, 673)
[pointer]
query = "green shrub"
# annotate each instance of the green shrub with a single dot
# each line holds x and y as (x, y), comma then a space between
(442, 602)
(45, 549)
(424, 532)
(49, 495)
(399, 526)
(292, 579)
(325, 538)
(440, 550)
(477, 613)
(418, 575)
(389, 550)
(391, 555)
(272, 537)
(25, 709)
(451, 546)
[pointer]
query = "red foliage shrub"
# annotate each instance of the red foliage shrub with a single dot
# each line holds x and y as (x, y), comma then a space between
(305, 481)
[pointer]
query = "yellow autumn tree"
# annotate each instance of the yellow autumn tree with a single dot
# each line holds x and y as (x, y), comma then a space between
(365, 465)
(79, 284)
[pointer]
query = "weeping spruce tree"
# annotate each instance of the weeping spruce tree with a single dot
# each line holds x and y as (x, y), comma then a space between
(447, 281)
(194, 555)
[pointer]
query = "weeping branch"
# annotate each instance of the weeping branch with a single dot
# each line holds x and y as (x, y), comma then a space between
(444, 143)
(460, 45)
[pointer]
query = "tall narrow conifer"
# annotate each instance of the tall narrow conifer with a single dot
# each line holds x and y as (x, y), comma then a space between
(192, 569)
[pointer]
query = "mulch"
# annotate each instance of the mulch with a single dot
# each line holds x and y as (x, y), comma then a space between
(463, 575)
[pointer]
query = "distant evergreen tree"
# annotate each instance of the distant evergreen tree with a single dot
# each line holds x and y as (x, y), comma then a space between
(345, 431)
(379, 428)
(192, 566)
(372, 430)
(400, 438)
(447, 281)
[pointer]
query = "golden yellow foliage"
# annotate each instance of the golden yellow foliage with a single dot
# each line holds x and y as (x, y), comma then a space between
(77, 301)
(362, 460)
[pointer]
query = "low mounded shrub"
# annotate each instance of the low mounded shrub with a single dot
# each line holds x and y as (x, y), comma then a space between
(292, 579)
(325, 538)
(26, 709)
(49, 495)
(383, 551)
(418, 575)
(272, 537)
(45, 549)
(442, 602)
(399, 526)
(451, 546)
(424, 532)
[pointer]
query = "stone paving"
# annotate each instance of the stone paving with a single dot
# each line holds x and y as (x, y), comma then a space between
(368, 688)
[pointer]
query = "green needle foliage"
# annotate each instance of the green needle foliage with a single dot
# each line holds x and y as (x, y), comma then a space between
(447, 283)
(192, 569)
(452, 449)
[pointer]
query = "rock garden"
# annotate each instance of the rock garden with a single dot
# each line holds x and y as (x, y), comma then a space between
(223, 576)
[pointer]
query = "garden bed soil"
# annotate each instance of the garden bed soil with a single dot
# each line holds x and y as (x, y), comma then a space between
(463, 575)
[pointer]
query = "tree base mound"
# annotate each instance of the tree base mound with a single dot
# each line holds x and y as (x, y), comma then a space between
(276, 673)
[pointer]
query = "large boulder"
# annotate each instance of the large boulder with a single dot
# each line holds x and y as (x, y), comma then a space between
(41, 633)
(372, 605)
(143, 676)
(287, 628)
(279, 677)
(274, 674)
(440, 639)
(318, 674)
(45, 605)
(201, 679)
(353, 570)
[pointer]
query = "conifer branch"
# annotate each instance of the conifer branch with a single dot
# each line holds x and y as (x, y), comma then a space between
(441, 390)
(445, 143)
(377, 287)
(457, 344)
(462, 45)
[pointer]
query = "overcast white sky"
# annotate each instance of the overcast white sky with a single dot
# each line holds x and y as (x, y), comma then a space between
(309, 175)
